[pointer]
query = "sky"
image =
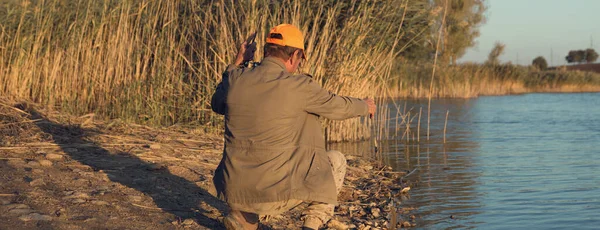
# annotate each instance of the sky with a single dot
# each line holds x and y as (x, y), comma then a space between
(531, 28)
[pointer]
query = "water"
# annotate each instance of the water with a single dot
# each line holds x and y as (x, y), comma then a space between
(509, 162)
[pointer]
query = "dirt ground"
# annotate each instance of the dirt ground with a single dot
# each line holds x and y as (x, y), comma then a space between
(62, 172)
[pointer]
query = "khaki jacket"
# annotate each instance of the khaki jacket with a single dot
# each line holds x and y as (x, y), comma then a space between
(274, 146)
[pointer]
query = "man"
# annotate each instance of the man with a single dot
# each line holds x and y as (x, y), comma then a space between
(274, 157)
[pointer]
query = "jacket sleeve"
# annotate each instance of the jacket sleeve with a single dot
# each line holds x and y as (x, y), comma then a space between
(324, 103)
(218, 103)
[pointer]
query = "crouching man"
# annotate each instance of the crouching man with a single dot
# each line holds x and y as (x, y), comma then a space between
(274, 156)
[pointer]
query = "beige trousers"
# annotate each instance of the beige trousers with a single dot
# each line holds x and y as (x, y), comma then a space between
(317, 213)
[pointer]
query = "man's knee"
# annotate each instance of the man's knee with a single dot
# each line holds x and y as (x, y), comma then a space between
(336, 158)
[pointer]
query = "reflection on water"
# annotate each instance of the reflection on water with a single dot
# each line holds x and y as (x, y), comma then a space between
(526, 161)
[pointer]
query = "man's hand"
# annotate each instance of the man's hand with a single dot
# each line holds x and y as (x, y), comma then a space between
(372, 107)
(246, 52)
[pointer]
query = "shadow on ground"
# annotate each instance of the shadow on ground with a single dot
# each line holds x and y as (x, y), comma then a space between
(171, 193)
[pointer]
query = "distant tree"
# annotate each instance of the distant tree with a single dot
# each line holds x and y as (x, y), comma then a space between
(493, 57)
(590, 55)
(461, 28)
(540, 63)
(580, 56)
(575, 56)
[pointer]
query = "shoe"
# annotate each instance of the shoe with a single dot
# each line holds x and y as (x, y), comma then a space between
(231, 223)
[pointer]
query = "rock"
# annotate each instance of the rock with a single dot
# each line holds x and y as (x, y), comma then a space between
(81, 180)
(68, 193)
(5, 200)
(78, 201)
(16, 162)
(154, 167)
(37, 171)
(406, 224)
(70, 150)
(154, 146)
(37, 182)
(74, 195)
(20, 211)
(405, 190)
(135, 198)
(60, 212)
(45, 163)
(366, 167)
(41, 152)
(376, 212)
(14, 206)
(54, 157)
(183, 172)
(35, 217)
(33, 163)
(334, 224)
(80, 218)
(100, 202)
(188, 222)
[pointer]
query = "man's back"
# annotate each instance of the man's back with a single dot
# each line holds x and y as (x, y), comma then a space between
(266, 105)
(274, 145)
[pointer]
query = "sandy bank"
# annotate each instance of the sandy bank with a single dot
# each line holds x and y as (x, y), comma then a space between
(63, 172)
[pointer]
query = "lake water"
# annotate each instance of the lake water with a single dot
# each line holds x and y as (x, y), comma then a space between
(509, 162)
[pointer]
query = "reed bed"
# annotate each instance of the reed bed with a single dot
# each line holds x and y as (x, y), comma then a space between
(472, 80)
(158, 62)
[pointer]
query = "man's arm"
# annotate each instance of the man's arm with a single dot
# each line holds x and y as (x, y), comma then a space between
(324, 103)
(219, 98)
(218, 102)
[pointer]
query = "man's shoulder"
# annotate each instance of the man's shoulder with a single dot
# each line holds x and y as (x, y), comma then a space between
(304, 77)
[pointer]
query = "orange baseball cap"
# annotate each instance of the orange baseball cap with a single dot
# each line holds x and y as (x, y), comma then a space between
(287, 35)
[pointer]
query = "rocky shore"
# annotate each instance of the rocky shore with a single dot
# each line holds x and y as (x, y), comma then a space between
(64, 172)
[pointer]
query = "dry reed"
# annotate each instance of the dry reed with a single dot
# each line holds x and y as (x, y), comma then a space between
(158, 62)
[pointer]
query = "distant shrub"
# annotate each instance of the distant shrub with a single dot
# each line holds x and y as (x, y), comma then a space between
(540, 63)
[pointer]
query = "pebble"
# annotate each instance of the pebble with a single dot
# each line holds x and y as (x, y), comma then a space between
(154, 146)
(53, 156)
(189, 222)
(13, 206)
(100, 202)
(37, 182)
(20, 211)
(81, 218)
(68, 193)
(78, 201)
(70, 150)
(5, 201)
(60, 212)
(35, 217)
(375, 212)
(135, 198)
(37, 171)
(337, 225)
(76, 197)
(366, 167)
(45, 163)
(16, 162)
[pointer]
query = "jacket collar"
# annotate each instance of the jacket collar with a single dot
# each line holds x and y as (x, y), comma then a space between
(273, 61)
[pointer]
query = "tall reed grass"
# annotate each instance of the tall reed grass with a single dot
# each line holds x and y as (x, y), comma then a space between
(157, 62)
